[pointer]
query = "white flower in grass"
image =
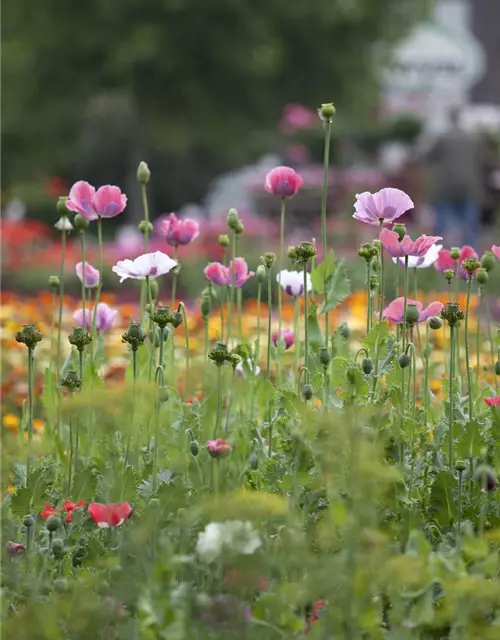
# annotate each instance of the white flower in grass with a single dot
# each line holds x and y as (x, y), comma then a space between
(232, 535)
(147, 265)
(292, 282)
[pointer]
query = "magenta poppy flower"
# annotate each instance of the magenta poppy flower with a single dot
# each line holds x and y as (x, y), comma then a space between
(496, 251)
(407, 247)
(287, 335)
(223, 276)
(384, 206)
(109, 515)
(179, 232)
(283, 182)
(104, 318)
(219, 448)
(145, 266)
(494, 401)
(394, 312)
(107, 202)
(445, 261)
(13, 548)
(91, 277)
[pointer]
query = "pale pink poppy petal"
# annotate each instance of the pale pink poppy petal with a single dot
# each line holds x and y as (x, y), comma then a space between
(80, 200)
(496, 251)
(433, 309)
(109, 201)
(390, 242)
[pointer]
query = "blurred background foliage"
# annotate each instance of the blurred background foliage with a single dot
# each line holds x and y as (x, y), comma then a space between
(194, 87)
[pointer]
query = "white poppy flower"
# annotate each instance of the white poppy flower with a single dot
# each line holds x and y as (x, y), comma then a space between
(293, 282)
(425, 261)
(147, 265)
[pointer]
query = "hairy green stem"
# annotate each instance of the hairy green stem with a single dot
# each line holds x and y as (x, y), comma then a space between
(219, 400)
(306, 323)
(61, 298)
(467, 357)
(231, 290)
(101, 275)
(269, 322)
(324, 199)
(175, 275)
(256, 357)
(82, 243)
(450, 414)
(144, 197)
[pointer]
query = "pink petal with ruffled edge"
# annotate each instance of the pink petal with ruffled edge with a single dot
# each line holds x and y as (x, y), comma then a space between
(109, 201)
(80, 200)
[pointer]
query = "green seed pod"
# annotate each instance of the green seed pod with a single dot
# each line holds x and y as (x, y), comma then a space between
(327, 111)
(482, 276)
(260, 272)
(153, 288)
(435, 323)
(460, 465)
(54, 283)
(28, 521)
(61, 585)
(61, 207)
(53, 523)
(193, 447)
(400, 229)
(232, 218)
(404, 360)
(488, 261)
(80, 223)
(143, 225)
(324, 356)
(454, 253)
(254, 461)
(308, 391)
(205, 307)
(58, 548)
(143, 173)
(497, 368)
(367, 366)
(224, 240)
(412, 314)
(239, 228)
(163, 394)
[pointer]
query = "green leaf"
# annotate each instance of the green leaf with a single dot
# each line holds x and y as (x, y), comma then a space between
(84, 485)
(49, 395)
(339, 289)
(315, 337)
(323, 272)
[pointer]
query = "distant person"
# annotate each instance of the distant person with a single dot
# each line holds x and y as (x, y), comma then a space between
(454, 163)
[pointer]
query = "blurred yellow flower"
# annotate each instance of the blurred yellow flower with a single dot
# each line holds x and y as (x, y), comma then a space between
(11, 421)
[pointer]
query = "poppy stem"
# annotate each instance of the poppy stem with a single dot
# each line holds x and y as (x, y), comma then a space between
(478, 329)
(281, 259)
(219, 400)
(61, 297)
(369, 301)
(324, 196)
(82, 242)
(256, 357)
(231, 290)
(426, 373)
(145, 206)
(101, 275)
(382, 276)
(30, 408)
(174, 278)
(306, 323)
(269, 321)
(296, 321)
(450, 401)
(467, 356)
(186, 337)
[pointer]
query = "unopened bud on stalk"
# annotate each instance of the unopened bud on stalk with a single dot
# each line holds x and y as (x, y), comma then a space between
(80, 223)
(488, 261)
(28, 521)
(268, 259)
(435, 323)
(324, 356)
(224, 240)
(205, 307)
(61, 585)
(239, 228)
(400, 229)
(54, 283)
(412, 314)
(194, 448)
(367, 251)
(61, 207)
(260, 272)
(454, 253)
(291, 253)
(308, 391)
(232, 219)
(145, 225)
(482, 277)
(374, 282)
(71, 380)
(58, 548)
(460, 466)
(254, 461)
(143, 173)
(177, 318)
(404, 360)
(53, 523)
(163, 394)
(497, 368)
(448, 274)
(367, 366)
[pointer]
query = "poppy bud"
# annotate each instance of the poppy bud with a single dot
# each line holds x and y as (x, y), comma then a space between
(375, 264)
(80, 223)
(412, 314)
(400, 229)
(268, 259)
(308, 391)
(488, 261)
(145, 225)
(435, 323)
(143, 173)
(54, 283)
(254, 461)
(345, 330)
(163, 394)
(324, 356)
(448, 274)
(177, 319)
(261, 274)
(367, 366)
(239, 228)
(29, 335)
(326, 111)
(57, 547)
(79, 338)
(61, 585)
(404, 360)
(53, 523)
(193, 447)
(455, 253)
(205, 307)
(28, 521)
(224, 240)
(374, 282)
(61, 207)
(482, 276)
(460, 466)
(232, 219)
(153, 289)
(497, 368)
(292, 253)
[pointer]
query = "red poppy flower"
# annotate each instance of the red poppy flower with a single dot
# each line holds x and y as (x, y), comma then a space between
(69, 507)
(109, 515)
(191, 399)
(13, 548)
(314, 617)
(48, 511)
(494, 401)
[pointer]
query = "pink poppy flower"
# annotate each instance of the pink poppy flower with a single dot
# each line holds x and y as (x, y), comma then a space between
(109, 515)
(13, 548)
(104, 318)
(219, 448)
(283, 182)
(91, 276)
(496, 251)
(384, 206)
(179, 232)
(446, 262)
(107, 202)
(223, 276)
(407, 247)
(287, 335)
(394, 312)
(145, 266)
(494, 401)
